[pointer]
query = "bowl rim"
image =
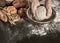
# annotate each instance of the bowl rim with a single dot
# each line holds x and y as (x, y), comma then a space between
(39, 21)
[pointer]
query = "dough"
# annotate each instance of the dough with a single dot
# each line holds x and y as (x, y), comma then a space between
(40, 13)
